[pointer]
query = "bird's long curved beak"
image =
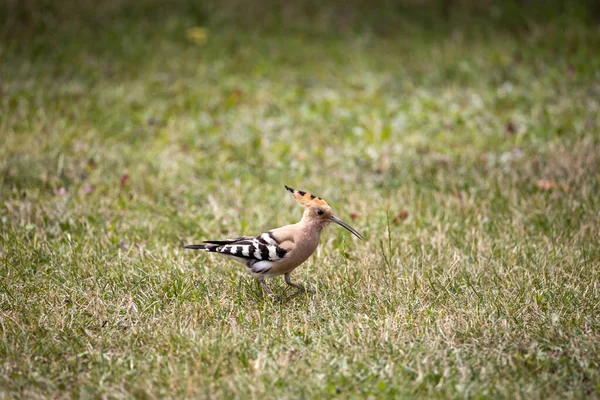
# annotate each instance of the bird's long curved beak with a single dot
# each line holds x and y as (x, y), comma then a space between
(345, 225)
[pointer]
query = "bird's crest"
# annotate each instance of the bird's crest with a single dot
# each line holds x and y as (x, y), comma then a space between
(306, 199)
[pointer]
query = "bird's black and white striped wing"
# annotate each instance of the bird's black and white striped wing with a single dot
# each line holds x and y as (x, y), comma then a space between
(251, 248)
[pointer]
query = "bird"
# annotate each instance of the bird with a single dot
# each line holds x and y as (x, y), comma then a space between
(281, 250)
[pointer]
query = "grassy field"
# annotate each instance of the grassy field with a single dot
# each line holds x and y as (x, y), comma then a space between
(464, 147)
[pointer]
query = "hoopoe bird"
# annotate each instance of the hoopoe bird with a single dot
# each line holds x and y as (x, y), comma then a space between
(281, 250)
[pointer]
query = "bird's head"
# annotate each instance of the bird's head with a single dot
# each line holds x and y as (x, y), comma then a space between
(317, 210)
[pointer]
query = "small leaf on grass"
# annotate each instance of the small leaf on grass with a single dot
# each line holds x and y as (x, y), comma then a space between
(510, 128)
(197, 35)
(124, 179)
(402, 215)
(517, 58)
(234, 98)
(546, 184)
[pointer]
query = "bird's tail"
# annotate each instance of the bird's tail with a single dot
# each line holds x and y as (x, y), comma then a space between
(201, 247)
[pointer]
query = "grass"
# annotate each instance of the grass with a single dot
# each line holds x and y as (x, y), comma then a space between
(467, 154)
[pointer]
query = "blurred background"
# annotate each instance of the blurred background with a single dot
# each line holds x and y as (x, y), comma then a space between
(176, 99)
(383, 17)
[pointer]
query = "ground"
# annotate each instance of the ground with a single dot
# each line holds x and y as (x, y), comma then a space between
(464, 147)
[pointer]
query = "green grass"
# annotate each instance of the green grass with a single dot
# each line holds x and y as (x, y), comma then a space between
(467, 154)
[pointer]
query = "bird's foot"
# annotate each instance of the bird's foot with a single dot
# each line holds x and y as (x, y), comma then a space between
(302, 289)
(266, 290)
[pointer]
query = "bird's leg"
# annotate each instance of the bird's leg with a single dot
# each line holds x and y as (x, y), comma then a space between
(301, 288)
(262, 284)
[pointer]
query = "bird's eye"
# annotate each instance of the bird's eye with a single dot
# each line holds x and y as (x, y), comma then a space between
(319, 211)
